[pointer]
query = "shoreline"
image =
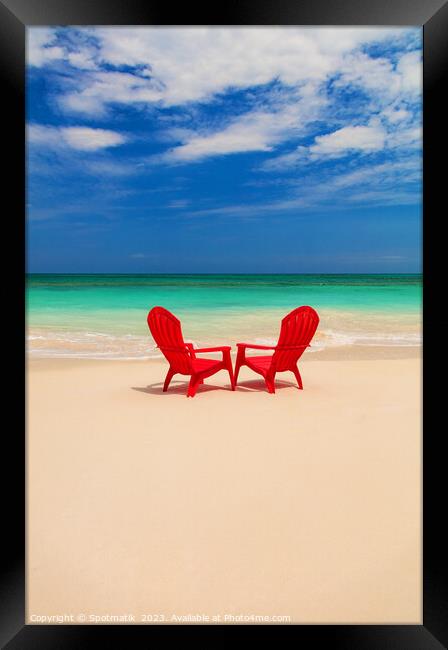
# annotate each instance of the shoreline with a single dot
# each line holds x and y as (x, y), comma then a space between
(339, 334)
(336, 353)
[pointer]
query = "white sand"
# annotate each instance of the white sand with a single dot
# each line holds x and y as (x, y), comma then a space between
(303, 504)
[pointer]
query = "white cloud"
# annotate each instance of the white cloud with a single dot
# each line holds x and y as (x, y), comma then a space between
(380, 78)
(374, 75)
(80, 138)
(410, 70)
(182, 65)
(194, 64)
(40, 46)
(394, 115)
(253, 132)
(288, 114)
(285, 161)
(83, 60)
(103, 88)
(349, 138)
(87, 139)
(43, 135)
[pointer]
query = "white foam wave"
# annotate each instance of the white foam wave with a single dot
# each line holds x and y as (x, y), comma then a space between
(101, 345)
(401, 339)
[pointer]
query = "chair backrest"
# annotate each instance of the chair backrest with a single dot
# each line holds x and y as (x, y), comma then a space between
(167, 333)
(297, 329)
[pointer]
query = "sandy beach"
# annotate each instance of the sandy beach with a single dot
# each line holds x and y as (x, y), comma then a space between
(303, 504)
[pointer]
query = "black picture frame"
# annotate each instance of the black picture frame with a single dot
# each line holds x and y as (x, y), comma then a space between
(15, 15)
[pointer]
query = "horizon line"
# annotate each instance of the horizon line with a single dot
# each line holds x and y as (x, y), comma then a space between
(224, 273)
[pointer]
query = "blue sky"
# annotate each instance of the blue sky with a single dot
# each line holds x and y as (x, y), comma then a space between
(224, 150)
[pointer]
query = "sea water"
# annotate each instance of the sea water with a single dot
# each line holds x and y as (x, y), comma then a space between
(104, 316)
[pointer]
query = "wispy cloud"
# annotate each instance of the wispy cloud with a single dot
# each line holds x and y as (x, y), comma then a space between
(88, 139)
(286, 115)
(178, 204)
(349, 138)
(391, 183)
(80, 138)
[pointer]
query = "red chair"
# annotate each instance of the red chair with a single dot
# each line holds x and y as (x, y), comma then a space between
(296, 332)
(181, 356)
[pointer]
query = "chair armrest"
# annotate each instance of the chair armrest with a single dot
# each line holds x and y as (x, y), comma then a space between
(272, 347)
(189, 349)
(257, 347)
(222, 348)
(174, 348)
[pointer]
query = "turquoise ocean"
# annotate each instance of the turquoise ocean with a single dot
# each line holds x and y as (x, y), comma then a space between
(104, 316)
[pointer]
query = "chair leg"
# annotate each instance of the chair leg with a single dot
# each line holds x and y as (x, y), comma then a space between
(298, 377)
(232, 379)
(193, 385)
(236, 373)
(169, 375)
(239, 362)
(227, 365)
(270, 383)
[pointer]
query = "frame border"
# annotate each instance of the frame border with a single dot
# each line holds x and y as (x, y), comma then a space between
(15, 16)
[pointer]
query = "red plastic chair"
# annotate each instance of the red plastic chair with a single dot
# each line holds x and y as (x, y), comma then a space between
(296, 332)
(181, 356)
